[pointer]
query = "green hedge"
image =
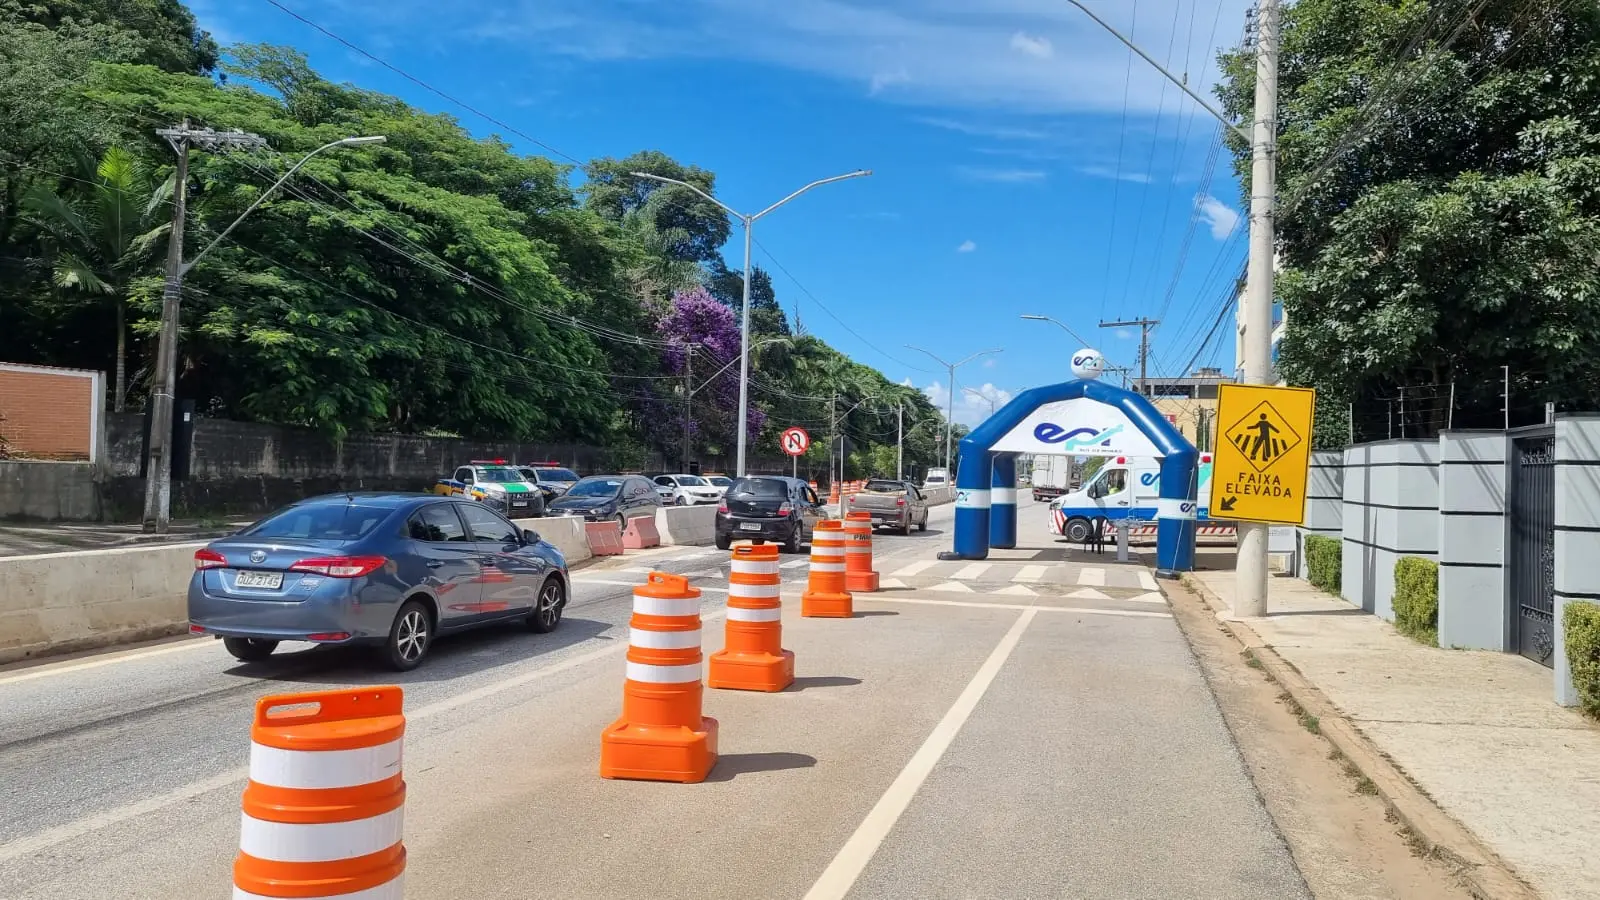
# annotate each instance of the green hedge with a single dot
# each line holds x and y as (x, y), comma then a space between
(1582, 623)
(1323, 561)
(1416, 598)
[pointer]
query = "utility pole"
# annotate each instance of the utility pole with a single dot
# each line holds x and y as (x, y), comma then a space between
(1252, 558)
(1144, 346)
(1505, 395)
(899, 440)
(688, 403)
(158, 464)
(1123, 371)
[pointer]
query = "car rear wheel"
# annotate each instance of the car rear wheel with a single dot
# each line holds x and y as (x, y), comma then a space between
(923, 525)
(546, 613)
(249, 649)
(724, 541)
(905, 529)
(410, 637)
(792, 545)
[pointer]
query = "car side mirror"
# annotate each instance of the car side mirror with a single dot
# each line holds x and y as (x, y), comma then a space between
(529, 536)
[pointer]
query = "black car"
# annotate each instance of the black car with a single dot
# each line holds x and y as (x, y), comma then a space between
(552, 479)
(616, 498)
(772, 508)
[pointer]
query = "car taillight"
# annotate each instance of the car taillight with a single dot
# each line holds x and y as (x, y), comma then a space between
(850, 499)
(899, 501)
(329, 636)
(722, 508)
(207, 558)
(340, 566)
(785, 509)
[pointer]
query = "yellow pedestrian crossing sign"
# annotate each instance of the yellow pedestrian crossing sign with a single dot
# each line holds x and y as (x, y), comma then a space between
(1263, 453)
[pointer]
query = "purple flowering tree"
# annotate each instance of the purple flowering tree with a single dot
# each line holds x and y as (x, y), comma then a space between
(698, 323)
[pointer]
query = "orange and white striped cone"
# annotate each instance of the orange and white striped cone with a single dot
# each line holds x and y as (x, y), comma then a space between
(833, 494)
(662, 735)
(858, 572)
(752, 657)
(324, 809)
(825, 595)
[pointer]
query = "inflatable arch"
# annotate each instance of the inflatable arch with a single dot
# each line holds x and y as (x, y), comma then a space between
(1081, 418)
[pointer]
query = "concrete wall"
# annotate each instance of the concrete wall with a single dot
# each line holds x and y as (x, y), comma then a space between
(52, 491)
(1577, 537)
(1324, 502)
(61, 602)
(565, 533)
(1472, 536)
(689, 526)
(1391, 508)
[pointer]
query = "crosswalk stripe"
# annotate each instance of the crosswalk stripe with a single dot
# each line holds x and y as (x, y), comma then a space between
(1094, 577)
(1147, 581)
(889, 583)
(1152, 597)
(972, 572)
(1029, 573)
(1088, 594)
(916, 567)
(952, 587)
(1017, 590)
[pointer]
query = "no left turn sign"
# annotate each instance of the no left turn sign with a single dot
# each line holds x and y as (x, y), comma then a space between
(795, 441)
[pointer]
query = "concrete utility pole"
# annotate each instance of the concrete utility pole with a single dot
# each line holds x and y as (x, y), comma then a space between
(950, 407)
(744, 320)
(1144, 347)
(688, 402)
(899, 440)
(1252, 558)
(158, 464)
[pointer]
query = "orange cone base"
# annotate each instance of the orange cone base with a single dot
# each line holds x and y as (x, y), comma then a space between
(827, 606)
(751, 671)
(861, 581)
(643, 753)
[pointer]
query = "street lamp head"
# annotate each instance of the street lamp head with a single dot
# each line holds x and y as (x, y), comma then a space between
(359, 141)
(1034, 318)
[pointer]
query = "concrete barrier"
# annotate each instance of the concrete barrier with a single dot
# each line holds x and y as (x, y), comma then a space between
(641, 533)
(687, 526)
(940, 495)
(63, 602)
(565, 533)
(604, 538)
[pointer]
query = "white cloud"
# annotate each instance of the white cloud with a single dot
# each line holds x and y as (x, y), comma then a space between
(1126, 334)
(1107, 172)
(972, 406)
(1037, 47)
(999, 132)
(1221, 217)
(975, 54)
(1001, 176)
(989, 363)
(966, 246)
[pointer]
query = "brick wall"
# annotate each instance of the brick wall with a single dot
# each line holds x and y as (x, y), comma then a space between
(50, 413)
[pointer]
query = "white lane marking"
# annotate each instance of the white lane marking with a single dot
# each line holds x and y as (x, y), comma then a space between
(117, 815)
(1152, 597)
(1017, 590)
(969, 573)
(974, 604)
(697, 587)
(952, 587)
(1089, 594)
(1094, 577)
(841, 874)
(64, 668)
(914, 568)
(1030, 573)
(1147, 581)
(891, 583)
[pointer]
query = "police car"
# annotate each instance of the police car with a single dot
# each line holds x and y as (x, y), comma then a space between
(495, 484)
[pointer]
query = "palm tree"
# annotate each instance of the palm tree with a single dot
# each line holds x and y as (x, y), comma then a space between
(103, 232)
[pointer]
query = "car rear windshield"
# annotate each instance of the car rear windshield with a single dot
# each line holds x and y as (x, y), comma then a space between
(596, 487)
(499, 476)
(321, 522)
(557, 474)
(880, 484)
(759, 487)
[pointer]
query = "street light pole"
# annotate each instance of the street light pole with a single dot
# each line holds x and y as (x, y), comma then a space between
(950, 407)
(1062, 325)
(744, 319)
(158, 462)
(981, 396)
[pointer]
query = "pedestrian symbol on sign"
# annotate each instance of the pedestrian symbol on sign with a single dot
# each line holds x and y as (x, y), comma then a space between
(1263, 436)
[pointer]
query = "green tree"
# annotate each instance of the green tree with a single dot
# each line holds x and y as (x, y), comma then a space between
(694, 228)
(104, 228)
(165, 32)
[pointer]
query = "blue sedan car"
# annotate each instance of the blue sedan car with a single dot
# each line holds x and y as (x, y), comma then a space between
(393, 571)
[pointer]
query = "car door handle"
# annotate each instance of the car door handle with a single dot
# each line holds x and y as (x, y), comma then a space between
(435, 563)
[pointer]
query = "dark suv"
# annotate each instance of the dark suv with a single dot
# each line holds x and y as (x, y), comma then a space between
(764, 508)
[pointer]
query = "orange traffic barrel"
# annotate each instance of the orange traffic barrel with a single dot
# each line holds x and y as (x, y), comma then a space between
(826, 596)
(662, 735)
(858, 573)
(833, 492)
(324, 808)
(753, 658)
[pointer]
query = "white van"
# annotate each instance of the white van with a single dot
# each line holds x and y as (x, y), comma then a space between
(1126, 487)
(936, 478)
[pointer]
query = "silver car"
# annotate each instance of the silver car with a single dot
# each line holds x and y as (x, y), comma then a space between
(393, 571)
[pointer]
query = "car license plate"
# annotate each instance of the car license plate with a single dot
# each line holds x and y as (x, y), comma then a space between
(268, 580)
(877, 521)
(749, 526)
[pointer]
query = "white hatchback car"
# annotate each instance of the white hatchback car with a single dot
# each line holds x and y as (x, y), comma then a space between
(686, 490)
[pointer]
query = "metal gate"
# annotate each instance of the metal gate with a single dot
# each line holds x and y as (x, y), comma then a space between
(1530, 548)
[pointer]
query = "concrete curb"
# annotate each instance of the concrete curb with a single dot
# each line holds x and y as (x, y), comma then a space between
(1485, 874)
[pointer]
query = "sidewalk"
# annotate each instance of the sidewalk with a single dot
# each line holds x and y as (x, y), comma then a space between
(1477, 732)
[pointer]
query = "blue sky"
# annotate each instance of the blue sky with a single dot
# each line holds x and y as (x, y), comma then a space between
(1010, 176)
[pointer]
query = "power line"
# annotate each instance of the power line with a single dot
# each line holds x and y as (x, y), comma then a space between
(1150, 165)
(1116, 182)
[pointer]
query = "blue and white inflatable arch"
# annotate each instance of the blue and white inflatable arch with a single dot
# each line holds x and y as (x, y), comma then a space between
(1083, 417)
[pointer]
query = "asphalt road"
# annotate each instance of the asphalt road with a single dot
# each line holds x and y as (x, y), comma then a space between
(1029, 727)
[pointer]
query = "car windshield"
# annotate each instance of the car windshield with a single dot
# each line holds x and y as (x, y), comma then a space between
(596, 487)
(720, 480)
(691, 481)
(327, 521)
(557, 474)
(499, 476)
(883, 484)
(759, 487)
